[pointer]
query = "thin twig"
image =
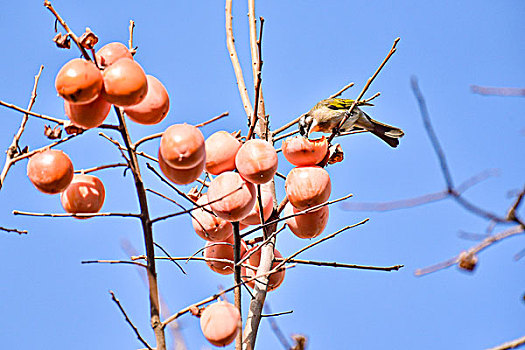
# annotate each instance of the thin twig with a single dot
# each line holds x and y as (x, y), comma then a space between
(230, 42)
(330, 236)
(169, 256)
(72, 35)
(131, 49)
(13, 149)
(348, 266)
(472, 252)
(79, 215)
(142, 340)
(497, 91)
(20, 232)
(340, 92)
(113, 262)
(365, 89)
(100, 167)
(276, 329)
(513, 344)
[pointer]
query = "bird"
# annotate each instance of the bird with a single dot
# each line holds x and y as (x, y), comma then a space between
(326, 115)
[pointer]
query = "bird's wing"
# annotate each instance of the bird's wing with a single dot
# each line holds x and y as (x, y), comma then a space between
(339, 103)
(343, 103)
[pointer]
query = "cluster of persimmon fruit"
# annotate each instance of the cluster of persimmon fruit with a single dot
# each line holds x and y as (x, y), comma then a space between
(235, 168)
(232, 197)
(89, 89)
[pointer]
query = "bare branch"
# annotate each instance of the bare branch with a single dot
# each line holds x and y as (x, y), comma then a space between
(472, 252)
(348, 266)
(100, 167)
(340, 92)
(113, 262)
(230, 42)
(20, 232)
(142, 340)
(79, 215)
(497, 91)
(510, 345)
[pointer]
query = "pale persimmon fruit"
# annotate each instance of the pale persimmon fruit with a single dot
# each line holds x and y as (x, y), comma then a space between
(125, 83)
(79, 81)
(180, 176)
(307, 186)
(301, 151)
(222, 250)
(256, 161)
(307, 225)
(50, 171)
(275, 279)
(254, 218)
(221, 149)
(231, 197)
(154, 107)
(85, 194)
(182, 146)
(220, 323)
(88, 115)
(209, 226)
(112, 52)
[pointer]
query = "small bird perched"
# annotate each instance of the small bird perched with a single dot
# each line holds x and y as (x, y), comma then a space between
(327, 114)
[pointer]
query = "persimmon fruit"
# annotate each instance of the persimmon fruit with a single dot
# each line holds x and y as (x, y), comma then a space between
(180, 176)
(207, 225)
(307, 225)
(154, 107)
(220, 322)
(307, 186)
(88, 115)
(182, 146)
(112, 52)
(301, 151)
(222, 250)
(221, 149)
(125, 83)
(257, 161)
(85, 194)
(79, 81)
(231, 197)
(275, 279)
(254, 218)
(50, 171)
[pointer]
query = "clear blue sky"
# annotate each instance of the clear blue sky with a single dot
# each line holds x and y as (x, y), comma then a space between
(48, 300)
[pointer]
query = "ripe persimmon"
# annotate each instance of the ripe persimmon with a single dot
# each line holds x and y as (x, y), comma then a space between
(79, 81)
(231, 197)
(221, 149)
(222, 250)
(88, 115)
(182, 146)
(125, 83)
(275, 278)
(307, 186)
(254, 218)
(256, 161)
(112, 52)
(220, 323)
(51, 171)
(307, 225)
(180, 176)
(209, 226)
(85, 194)
(301, 151)
(154, 107)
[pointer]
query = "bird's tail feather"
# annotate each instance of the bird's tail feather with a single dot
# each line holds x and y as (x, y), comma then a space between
(388, 133)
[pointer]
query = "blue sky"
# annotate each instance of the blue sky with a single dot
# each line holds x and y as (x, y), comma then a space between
(310, 50)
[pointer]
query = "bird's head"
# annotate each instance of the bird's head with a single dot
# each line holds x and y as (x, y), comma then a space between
(306, 125)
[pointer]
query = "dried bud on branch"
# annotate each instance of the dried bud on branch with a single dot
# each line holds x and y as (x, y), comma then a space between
(336, 154)
(467, 261)
(62, 41)
(88, 40)
(52, 133)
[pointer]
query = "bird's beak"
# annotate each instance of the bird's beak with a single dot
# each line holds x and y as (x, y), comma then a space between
(312, 127)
